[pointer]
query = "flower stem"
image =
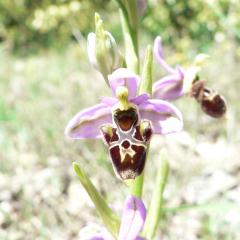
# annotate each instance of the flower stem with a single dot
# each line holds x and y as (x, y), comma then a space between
(137, 186)
(129, 21)
(156, 205)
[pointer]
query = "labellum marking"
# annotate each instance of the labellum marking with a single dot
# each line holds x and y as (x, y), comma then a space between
(128, 149)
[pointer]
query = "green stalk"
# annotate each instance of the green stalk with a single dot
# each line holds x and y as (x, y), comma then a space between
(131, 6)
(137, 186)
(129, 21)
(156, 206)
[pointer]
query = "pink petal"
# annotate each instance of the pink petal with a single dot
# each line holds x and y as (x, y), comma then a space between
(158, 52)
(140, 99)
(164, 116)
(100, 237)
(109, 101)
(124, 77)
(87, 123)
(168, 88)
(133, 218)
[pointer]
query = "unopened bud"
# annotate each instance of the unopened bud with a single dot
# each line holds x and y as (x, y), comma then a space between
(102, 50)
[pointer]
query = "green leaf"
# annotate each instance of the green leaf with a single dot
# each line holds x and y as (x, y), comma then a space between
(109, 218)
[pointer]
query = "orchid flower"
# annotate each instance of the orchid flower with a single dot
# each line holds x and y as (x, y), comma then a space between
(126, 123)
(179, 81)
(133, 218)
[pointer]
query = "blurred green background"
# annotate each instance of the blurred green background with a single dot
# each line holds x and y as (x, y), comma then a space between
(45, 78)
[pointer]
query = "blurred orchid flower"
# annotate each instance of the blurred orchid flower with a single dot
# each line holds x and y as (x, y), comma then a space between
(126, 123)
(179, 81)
(133, 218)
(169, 87)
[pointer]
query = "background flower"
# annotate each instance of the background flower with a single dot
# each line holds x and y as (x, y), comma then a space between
(133, 218)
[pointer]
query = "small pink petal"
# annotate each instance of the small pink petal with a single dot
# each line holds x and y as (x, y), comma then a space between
(158, 52)
(124, 77)
(109, 101)
(168, 88)
(140, 99)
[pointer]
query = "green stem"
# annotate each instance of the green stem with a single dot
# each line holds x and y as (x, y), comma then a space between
(156, 205)
(129, 21)
(131, 6)
(137, 186)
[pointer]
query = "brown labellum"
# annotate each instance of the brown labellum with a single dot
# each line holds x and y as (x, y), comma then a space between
(127, 142)
(212, 103)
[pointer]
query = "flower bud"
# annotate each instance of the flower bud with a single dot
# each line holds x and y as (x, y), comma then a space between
(102, 49)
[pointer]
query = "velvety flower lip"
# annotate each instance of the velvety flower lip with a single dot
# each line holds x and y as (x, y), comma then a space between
(164, 116)
(133, 219)
(169, 87)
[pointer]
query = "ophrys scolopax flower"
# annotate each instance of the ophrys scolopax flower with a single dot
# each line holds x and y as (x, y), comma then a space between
(126, 122)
